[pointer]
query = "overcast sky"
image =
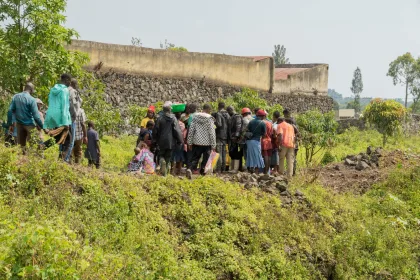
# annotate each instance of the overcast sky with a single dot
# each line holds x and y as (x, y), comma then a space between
(343, 33)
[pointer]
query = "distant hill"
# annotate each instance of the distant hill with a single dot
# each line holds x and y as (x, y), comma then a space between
(344, 101)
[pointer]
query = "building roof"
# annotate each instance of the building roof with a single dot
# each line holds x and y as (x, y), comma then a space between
(346, 113)
(283, 73)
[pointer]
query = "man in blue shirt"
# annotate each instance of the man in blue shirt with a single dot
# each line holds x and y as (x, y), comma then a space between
(25, 110)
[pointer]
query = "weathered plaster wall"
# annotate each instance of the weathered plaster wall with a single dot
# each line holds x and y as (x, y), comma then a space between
(313, 81)
(216, 68)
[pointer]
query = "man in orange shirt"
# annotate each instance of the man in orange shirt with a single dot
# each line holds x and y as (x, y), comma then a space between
(287, 146)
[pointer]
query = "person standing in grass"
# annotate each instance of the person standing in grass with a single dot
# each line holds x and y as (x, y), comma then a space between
(93, 151)
(222, 126)
(26, 115)
(256, 130)
(286, 133)
(246, 118)
(58, 117)
(168, 136)
(266, 144)
(235, 129)
(80, 136)
(288, 116)
(201, 140)
(275, 143)
(178, 155)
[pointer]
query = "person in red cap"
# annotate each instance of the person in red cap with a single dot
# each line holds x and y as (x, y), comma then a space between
(256, 130)
(149, 117)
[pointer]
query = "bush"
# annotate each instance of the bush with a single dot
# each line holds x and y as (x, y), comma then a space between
(318, 132)
(386, 116)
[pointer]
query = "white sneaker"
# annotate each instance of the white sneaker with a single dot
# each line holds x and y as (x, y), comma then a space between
(189, 174)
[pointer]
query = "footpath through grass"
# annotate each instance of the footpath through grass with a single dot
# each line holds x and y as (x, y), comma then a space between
(61, 222)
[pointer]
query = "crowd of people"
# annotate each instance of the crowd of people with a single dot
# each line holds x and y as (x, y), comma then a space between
(64, 121)
(171, 141)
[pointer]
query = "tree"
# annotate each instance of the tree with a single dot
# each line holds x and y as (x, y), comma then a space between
(172, 47)
(404, 70)
(32, 44)
(136, 41)
(357, 88)
(415, 91)
(386, 116)
(279, 55)
(318, 132)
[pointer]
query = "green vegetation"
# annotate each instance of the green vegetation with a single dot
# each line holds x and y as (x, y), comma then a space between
(318, 132)
(59, 222)
(386, 116)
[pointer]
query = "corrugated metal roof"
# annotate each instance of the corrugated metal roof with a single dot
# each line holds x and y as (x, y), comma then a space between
(283, 73)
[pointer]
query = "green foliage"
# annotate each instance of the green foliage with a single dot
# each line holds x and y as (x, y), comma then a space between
(386, 116)
(357, 88)
(178, 49)
(248, 98)
(318, 132)
(106, 117)
(405, 70)
(136, 114)
(328, 158)
(87, 224)
(279, 55)
(136, 41)
(32, 44)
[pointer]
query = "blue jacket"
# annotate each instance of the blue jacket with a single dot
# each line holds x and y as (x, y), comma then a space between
(24, 108)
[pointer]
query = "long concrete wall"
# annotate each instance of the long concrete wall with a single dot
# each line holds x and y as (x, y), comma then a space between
(216, 68)
(313, 81)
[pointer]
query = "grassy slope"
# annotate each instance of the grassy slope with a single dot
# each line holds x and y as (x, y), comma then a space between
(60, 222)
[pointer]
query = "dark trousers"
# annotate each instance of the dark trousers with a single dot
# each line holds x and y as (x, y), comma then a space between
(24, 133)
(96, 162)
(197, 152)
(295, 162)
(221, 163)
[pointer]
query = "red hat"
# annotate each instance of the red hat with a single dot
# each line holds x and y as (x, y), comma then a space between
(245, 111)
(261, 113)
(151, 108)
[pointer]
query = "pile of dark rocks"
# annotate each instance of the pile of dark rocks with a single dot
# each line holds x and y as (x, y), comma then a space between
(276, 185)
(363, 161)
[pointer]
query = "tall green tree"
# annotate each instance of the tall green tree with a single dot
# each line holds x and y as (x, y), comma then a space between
(357, 88)
(32, 44)
(404, 70)
(279, 55)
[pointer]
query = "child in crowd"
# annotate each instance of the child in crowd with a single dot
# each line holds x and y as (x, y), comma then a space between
(146, 134)
(142, 161)
(93, 152)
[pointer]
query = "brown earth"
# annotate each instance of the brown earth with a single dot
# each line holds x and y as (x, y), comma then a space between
(341, 177)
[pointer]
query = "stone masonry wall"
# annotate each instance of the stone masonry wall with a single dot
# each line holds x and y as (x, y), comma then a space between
(123, 90)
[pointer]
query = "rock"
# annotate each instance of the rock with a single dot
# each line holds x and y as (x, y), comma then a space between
(281, 186)
(349, 162)
(337, 167)
(369, 150)
(264, 177)
(362, 166)
(299, 193)
(285, 193)
(379, 152)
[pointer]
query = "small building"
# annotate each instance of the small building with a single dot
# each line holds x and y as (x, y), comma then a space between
(344, 114)
(301, 79)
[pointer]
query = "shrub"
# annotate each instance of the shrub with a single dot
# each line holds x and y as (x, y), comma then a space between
(318, 131)
(386, 116)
